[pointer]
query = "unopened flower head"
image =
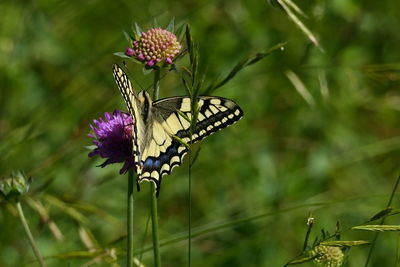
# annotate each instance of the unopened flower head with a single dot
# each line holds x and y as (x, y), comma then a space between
(328, 256)
(14, 186)
(113, 139)
(156, 46)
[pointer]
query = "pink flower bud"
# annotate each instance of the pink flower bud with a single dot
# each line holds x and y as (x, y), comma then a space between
(129, 52)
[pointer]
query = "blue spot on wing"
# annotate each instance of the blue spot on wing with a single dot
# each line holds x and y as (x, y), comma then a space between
(164, 158)
(148, 163)
(155, 163)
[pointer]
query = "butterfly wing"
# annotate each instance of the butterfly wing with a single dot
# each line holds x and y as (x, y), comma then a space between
(163, 152)
(129, 95)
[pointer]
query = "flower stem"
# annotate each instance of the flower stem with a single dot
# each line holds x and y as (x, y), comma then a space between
(130, 218)
(35, 249)
(156, 85)
(190, 208)
(371, 249)
(154, 223)
(154, 216)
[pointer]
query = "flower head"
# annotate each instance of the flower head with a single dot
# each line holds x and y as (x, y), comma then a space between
(328, 256)
(156, 45)
(113, 139)
(14, 186)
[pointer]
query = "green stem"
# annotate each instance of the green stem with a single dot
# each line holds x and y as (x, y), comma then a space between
(154, 223)
(30, 237)
(156, 84)
(144, 238)
(371, 249)
(130, 218)
(154, 216)
(190, 209)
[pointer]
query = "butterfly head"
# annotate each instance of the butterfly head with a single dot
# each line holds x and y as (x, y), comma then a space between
(145, 104)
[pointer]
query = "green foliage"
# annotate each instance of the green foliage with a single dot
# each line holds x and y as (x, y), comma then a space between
(255, 183)
(378, 228)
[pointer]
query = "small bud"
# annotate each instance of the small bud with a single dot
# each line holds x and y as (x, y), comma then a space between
(14, 186)
(150, 63)
(129, 52)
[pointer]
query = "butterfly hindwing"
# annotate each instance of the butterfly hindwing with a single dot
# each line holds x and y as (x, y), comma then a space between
(164, 152)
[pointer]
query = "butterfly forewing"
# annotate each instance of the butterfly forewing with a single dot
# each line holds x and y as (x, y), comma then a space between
(126, 89)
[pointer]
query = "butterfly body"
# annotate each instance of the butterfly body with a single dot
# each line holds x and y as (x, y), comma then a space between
(159, 127)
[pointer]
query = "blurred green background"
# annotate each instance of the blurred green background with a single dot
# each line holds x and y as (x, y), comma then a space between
(338, 147)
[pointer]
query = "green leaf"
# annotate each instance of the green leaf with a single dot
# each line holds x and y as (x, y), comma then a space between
(179, 32)
(181, 141)
(183, 115)
(378, 228)
(301, 260)
(128, 37)
(241, 65)
(295, 8)
(186, 87)
(189, 43)
(381, 214)
(146, 71)
(171, 25)
(261, 55)
(187, 71)
(121, 54)
(287, 7)
(345, 243)
(92, 147)
(138, 32)
(155, 23)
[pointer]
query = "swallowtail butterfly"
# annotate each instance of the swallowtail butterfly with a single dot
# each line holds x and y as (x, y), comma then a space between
(156, 150)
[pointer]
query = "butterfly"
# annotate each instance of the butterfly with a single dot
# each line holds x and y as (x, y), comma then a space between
(159, 127)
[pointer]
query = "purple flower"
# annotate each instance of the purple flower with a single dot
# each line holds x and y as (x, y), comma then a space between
(113, 139)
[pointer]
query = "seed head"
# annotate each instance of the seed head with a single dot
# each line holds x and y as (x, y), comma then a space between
(328, 256)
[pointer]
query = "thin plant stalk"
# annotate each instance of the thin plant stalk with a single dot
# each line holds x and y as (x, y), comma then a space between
(154, 224)
(144, 238)
(28, 232)
(130, 218)
(396, 185)
(153, 197)
(190, 209)
(156, 84)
